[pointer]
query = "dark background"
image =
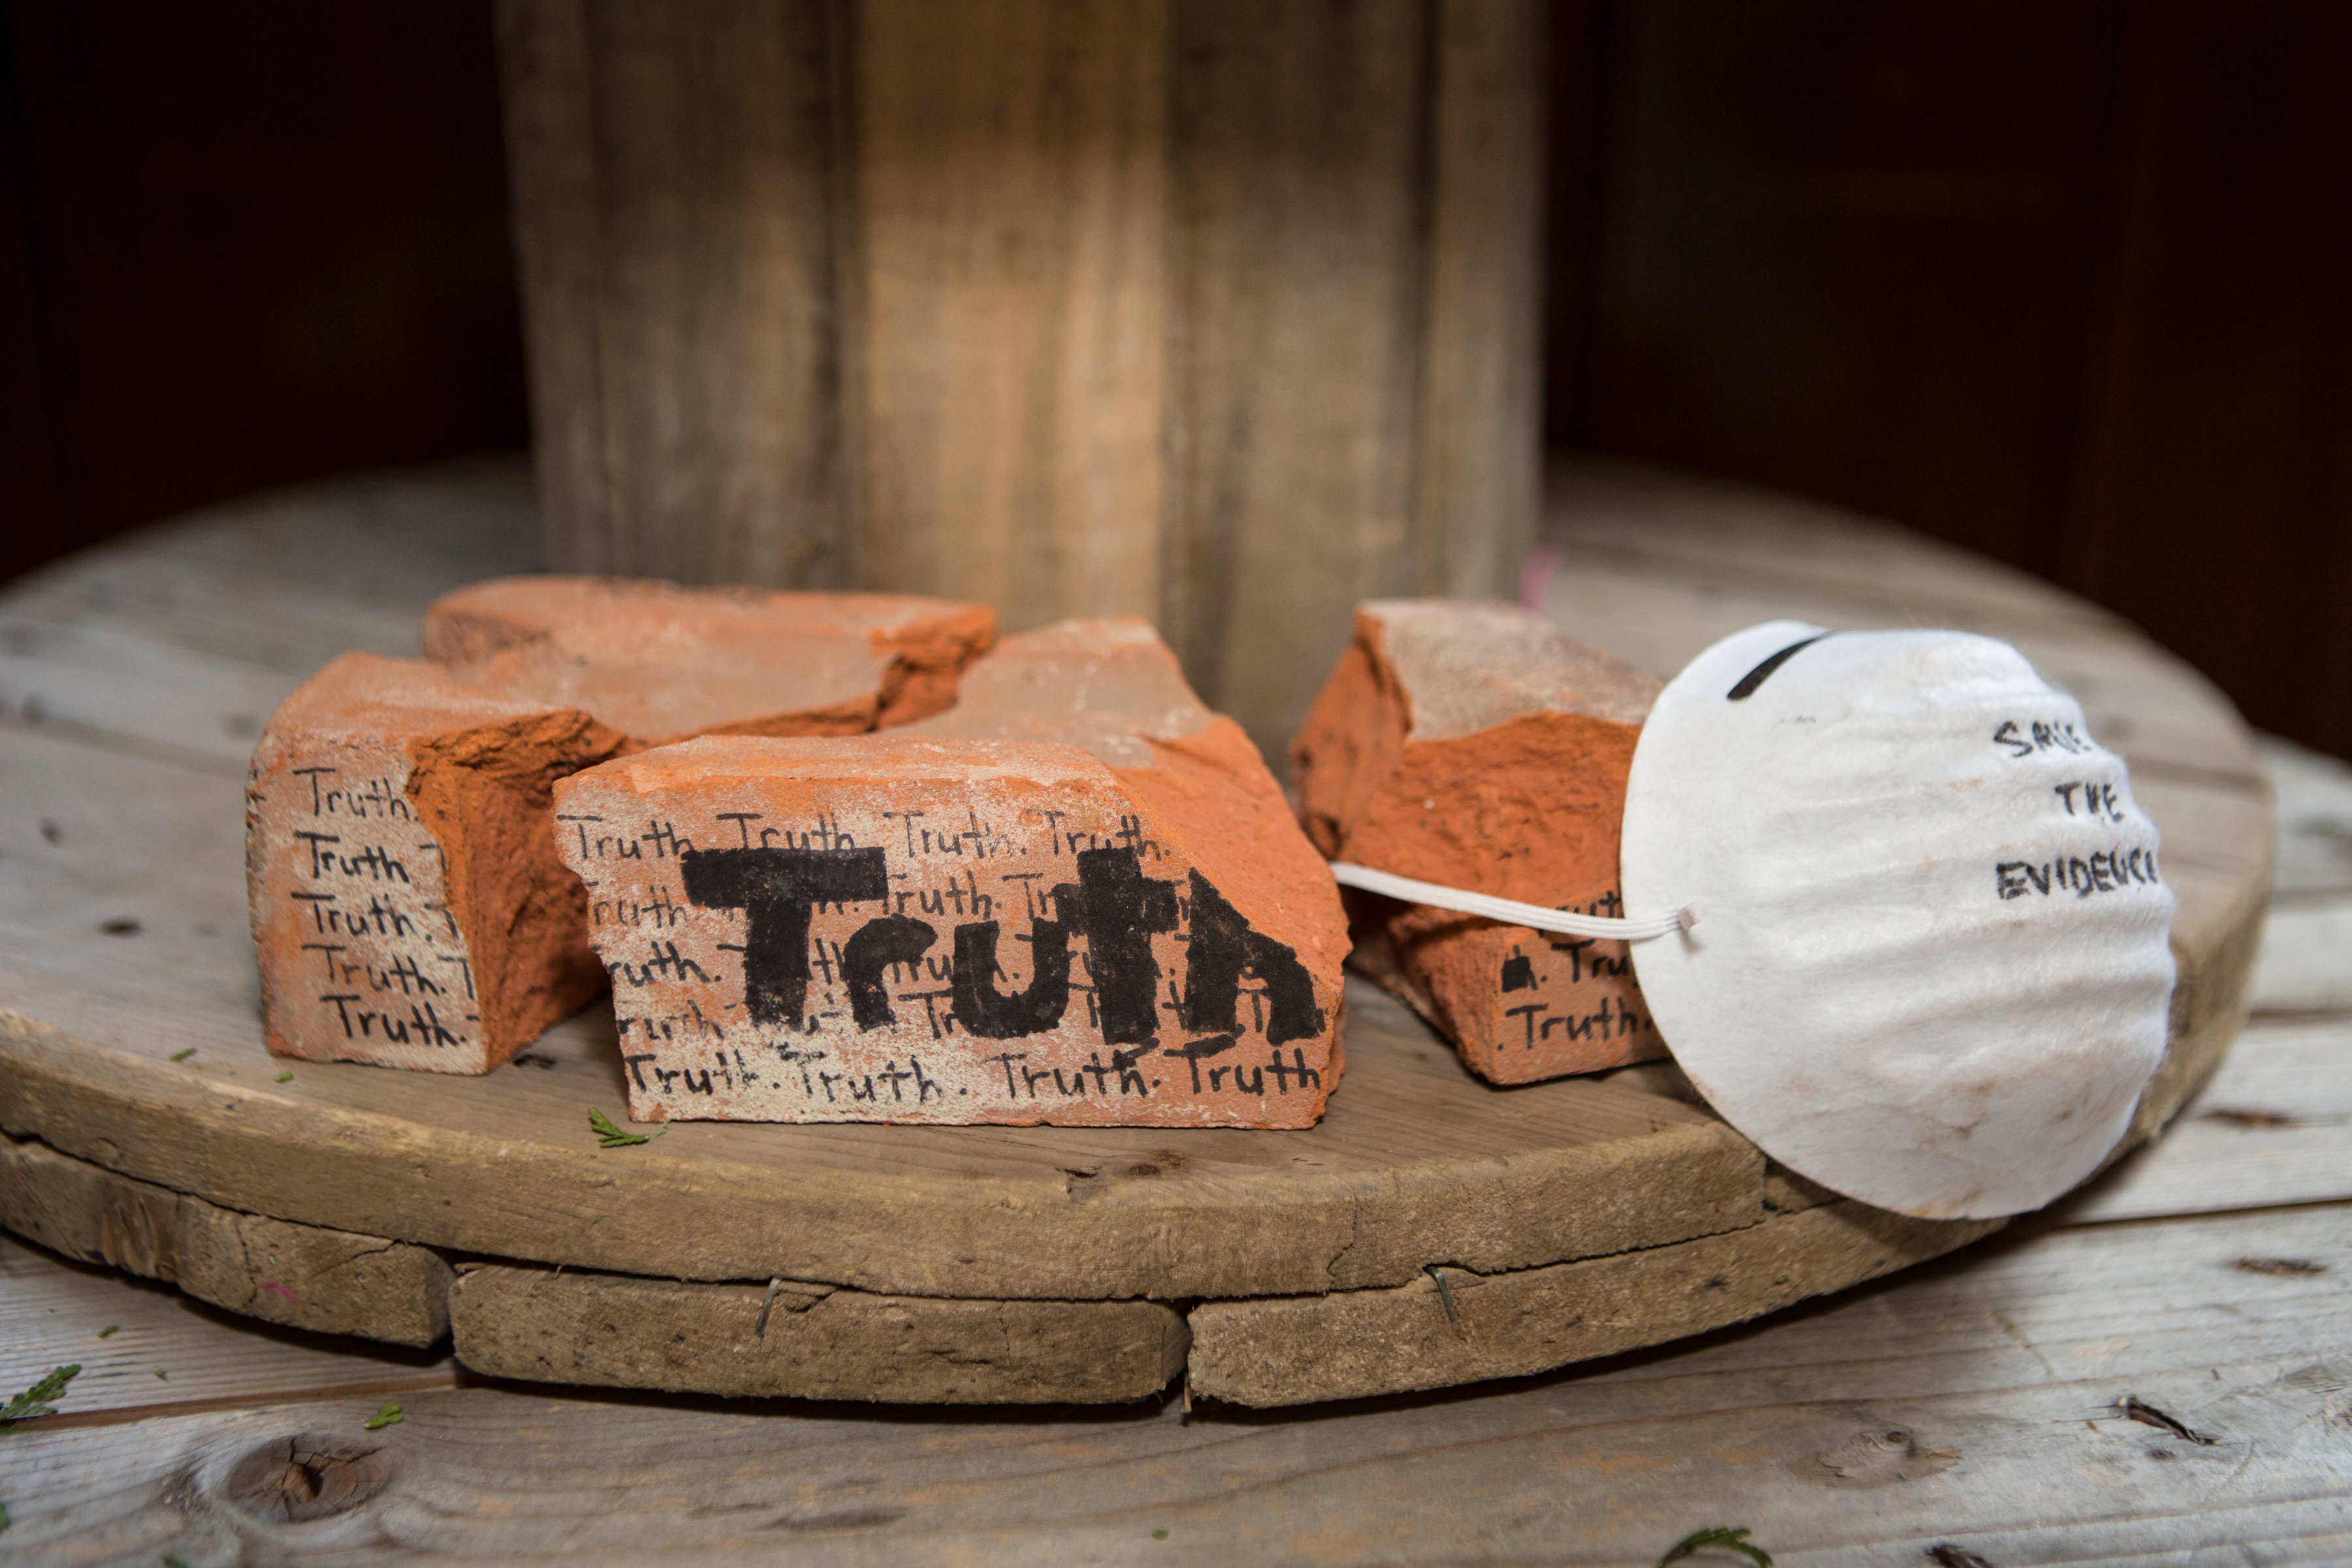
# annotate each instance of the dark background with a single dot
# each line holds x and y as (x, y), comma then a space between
(2069, 283)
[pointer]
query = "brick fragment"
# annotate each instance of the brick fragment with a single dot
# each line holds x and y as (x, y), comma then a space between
(828, 931)
(660, 662)
(408, 906)
(1476, 746)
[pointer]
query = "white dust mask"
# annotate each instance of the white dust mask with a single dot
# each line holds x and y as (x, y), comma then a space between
(1929, 965)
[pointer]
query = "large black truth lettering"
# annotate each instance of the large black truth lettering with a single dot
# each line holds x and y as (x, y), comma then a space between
(990, 1014)
(1119, 909)
(868, 958)
(1223, 946)
(777, 889)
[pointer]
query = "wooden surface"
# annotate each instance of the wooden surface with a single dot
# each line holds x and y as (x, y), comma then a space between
(1217, 313)
(1431, 1230)
(1972, 1401)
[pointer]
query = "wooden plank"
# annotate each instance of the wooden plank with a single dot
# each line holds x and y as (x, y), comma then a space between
(1011, 324)
(81, 642)
(2307, 959)
(52, 1313)
(811, 1341)
(98, 685)
(1999, 1372)
(2272, 1126)
(577, 433)
(2315, 817)
(342, 563)
(393, 538)
(1297, 282)
(1456, 1326)
(332, 1282)
(675, 220)
(1479, 479)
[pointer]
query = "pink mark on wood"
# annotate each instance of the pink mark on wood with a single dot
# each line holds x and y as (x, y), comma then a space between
(1535, 579)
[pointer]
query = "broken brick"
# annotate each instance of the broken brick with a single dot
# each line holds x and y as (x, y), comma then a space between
(660, 662)
(1476, 746)
(1077, 897)
(408, 906)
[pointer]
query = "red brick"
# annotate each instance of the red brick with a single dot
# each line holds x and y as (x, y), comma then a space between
(1116, 786)
(1476, 746)
(408, 906)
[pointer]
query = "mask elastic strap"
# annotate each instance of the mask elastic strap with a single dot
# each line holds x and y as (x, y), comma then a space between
(1510, 911)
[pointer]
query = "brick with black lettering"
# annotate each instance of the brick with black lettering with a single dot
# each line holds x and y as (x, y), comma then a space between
(408, 906)
(1476, 746)
(928, 930)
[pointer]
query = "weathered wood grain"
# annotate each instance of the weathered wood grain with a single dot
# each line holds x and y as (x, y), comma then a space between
(53, 1313)
(340, 565)
(1297, 275)
(1217, 312)
(2303, 968)
(1010, 320)
(1480, 467)
(1453, 1326)
(679, 289)
(304, 1275)
(2273, 1125)
(1973, 1401)
(2315, 822)
(811, 1341)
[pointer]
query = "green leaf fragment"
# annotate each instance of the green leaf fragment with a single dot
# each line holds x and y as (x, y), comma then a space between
(38, 1400)
(1158, 1535)
(4, 1520)
(162, 1375)
(108, 1331)
(1722, 1535)
(286, 1077)
(183, 1056)
(388, 1415)
(610, 1136)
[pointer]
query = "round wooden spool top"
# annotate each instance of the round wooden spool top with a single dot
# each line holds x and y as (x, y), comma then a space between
(1433, 1230)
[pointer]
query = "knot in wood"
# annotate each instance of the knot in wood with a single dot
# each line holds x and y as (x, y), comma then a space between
(307, 1477)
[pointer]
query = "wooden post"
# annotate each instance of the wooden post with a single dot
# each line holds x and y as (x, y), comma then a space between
(1221, 313)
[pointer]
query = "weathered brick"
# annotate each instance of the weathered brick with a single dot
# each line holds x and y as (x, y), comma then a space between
(408, 906)
(1476, 746)
(819, 931)
(408, 903)
(660, 662)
